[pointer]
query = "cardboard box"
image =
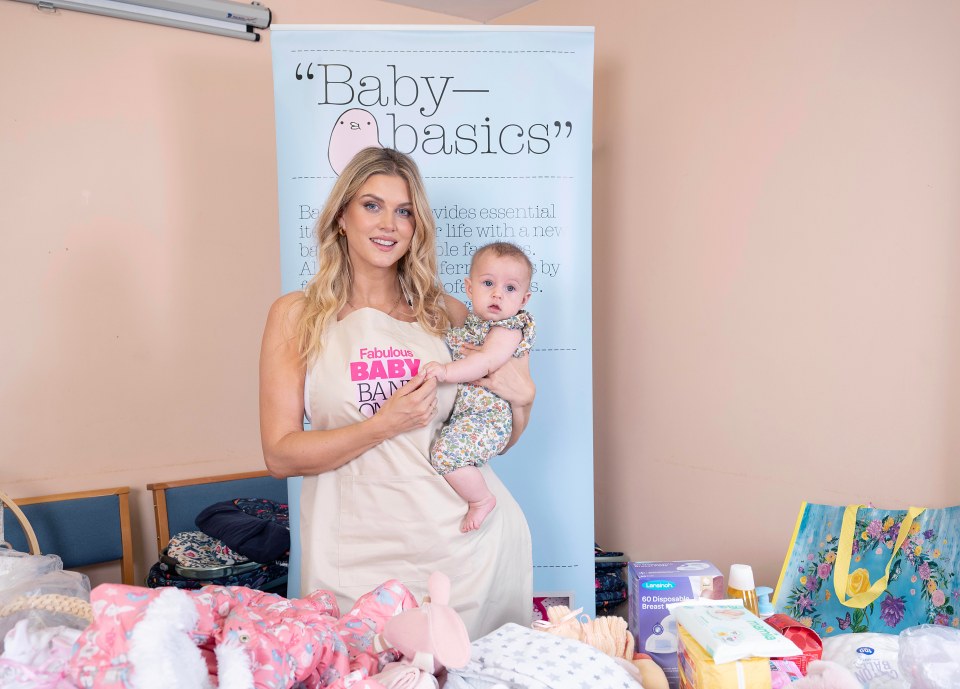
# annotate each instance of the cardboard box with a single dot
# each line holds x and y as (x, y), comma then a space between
(698, 671)
(651, 586)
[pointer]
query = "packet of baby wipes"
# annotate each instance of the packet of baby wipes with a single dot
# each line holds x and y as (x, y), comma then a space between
(728, 631)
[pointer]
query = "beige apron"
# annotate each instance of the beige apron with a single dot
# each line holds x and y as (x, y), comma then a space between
(387, 514)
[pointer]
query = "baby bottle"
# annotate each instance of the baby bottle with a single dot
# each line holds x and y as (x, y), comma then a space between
(740, 585)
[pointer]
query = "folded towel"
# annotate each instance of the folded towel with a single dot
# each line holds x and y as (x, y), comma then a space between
(405, 676)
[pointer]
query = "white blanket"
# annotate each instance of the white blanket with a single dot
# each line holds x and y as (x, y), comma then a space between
(514, 657)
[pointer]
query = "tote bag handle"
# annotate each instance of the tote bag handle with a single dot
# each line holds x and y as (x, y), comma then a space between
(841, 575)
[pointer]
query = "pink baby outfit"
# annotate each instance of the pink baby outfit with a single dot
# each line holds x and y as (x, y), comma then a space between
(245, 638)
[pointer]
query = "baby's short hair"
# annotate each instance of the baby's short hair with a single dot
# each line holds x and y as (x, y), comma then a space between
(501, 249)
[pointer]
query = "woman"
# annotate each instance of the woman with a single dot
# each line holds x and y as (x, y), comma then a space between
(348, 350)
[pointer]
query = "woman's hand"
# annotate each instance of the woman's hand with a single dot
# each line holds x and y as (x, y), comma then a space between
(288, 450)
(511, 382)
(412, 406)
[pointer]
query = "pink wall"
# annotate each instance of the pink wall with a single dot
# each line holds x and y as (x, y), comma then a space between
(776, 258)
(777, 267)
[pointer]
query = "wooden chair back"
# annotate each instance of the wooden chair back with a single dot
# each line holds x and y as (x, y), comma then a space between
(176, 504)
(83, 528)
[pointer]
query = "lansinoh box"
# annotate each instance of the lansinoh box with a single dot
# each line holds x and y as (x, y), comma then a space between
(654, 584)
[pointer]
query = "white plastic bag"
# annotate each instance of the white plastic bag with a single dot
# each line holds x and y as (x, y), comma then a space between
(930, 656)
(16, 566)
(38, 589)
(870, 656)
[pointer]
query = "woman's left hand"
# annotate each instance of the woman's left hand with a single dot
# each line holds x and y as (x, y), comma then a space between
(512, 382)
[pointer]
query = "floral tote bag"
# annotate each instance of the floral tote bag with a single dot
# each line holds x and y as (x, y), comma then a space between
(859, 569)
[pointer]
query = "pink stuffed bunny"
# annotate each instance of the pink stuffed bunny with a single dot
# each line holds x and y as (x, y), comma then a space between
(430, 638)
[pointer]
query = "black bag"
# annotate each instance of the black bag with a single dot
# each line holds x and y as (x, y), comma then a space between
(257, 528)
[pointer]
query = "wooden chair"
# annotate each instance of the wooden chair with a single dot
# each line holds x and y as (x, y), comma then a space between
(84, 528)
(176, 504)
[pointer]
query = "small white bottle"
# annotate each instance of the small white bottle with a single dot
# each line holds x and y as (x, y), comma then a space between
(764, 606)
(740, 585)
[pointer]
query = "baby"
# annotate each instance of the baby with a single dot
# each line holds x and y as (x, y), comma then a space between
(481, 422)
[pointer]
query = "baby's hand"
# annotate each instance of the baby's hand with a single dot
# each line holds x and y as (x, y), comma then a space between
(436, 370)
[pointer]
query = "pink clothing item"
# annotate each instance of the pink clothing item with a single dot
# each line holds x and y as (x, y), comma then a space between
(36, 656)
(402, 675)
(367, 619)
(231, 636)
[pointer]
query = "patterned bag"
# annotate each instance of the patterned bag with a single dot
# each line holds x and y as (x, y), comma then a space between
(859, 569)
(194, 559)
(610, 588)
(268, 577)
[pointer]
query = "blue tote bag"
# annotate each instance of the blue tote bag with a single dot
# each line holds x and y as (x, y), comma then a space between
(858, 569)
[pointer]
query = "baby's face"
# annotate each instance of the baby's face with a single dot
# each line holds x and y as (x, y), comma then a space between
(498, 286)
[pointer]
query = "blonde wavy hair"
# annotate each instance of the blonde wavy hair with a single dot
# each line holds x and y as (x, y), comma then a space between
(327, 292)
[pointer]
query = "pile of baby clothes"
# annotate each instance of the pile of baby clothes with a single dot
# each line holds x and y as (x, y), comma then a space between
(610, 586)
(241, 542)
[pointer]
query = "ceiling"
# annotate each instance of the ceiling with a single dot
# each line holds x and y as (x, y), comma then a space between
(478, 10)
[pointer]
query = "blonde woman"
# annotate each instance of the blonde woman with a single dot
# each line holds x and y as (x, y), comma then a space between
(348, 350)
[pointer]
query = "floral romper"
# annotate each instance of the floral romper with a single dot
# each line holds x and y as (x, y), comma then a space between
(481, 422)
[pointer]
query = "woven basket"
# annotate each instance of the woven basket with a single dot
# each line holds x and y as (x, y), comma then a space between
(51, 602)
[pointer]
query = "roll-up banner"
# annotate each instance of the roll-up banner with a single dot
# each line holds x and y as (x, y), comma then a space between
(499, 121)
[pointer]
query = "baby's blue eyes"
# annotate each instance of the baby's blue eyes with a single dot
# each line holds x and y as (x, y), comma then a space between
(489, 283)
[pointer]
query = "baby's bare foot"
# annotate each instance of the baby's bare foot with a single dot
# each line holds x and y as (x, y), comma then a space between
(477, 512)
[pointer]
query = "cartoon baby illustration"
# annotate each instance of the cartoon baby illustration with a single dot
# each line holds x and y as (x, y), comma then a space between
(353, 131)
(727, 636)
(721, 613)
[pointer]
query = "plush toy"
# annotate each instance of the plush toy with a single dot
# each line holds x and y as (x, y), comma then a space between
(231, 637)
(824, 674)
(429, 638)
(608, 635)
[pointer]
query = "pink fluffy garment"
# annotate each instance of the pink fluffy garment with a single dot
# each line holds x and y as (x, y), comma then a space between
(824, 674)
